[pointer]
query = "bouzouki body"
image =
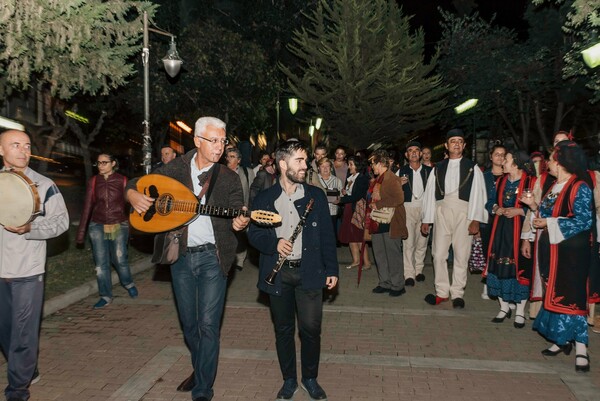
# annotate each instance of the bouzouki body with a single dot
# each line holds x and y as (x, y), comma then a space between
(176, 205)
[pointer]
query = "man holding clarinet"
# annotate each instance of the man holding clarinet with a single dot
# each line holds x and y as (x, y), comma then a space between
(310, 265)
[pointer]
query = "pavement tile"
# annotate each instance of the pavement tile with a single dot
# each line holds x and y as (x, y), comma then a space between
(374, 348)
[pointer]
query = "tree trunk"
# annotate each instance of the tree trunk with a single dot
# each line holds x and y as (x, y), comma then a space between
(539, 123)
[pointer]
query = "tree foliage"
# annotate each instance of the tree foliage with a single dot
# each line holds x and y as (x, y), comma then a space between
(73, 46)
(363, 70)
(519, 84)
(582, 25)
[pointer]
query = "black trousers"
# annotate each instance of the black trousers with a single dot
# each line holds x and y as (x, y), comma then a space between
(309, 305)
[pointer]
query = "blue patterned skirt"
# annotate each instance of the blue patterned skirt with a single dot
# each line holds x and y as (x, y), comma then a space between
(561, 328)
(508, 289)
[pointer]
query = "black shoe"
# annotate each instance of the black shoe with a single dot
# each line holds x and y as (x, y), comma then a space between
(434, 299)
(519, 325)
(567, 348)
(187, 385)
(15, 399)
(380, 290)
(409, 282)
(501, 319)
(458, 303)
(313, 389)
(239, 268)
(397, 293)
(287, 391)
(201, 399)
(582, 368)
(420, 277)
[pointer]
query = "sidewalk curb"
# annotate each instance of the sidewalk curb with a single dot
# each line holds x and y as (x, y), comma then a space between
(91, 287)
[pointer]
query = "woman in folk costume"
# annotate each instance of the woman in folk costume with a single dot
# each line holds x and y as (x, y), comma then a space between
(563, 222)
(508, 272)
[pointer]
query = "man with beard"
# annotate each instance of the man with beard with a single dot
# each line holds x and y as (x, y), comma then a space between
(206, 249)
(299, 284)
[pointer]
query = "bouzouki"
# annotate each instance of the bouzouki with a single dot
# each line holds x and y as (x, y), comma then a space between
(175, 205)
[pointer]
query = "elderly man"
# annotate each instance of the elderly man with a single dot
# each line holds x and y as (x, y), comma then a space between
(206, 249)
(413, 178)
(22, 262)
(454, 202)
(234, 158)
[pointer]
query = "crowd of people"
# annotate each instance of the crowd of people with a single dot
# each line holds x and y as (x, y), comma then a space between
(534, 221)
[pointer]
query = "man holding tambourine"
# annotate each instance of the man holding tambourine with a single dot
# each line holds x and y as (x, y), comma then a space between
(33, 211)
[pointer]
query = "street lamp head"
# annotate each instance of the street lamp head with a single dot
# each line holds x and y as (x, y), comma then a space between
(172, 61)
(318, 123)
(591, 56)
(311, 130)
(293, 104)
(469, 104)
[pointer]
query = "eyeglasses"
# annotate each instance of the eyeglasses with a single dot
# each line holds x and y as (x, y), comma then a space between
(102, 162)
(214, 141)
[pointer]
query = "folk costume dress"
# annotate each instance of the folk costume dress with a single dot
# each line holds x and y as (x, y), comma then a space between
(563, 256)
(508, 272)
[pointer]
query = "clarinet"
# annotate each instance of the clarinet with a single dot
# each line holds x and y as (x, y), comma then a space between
(271, 277)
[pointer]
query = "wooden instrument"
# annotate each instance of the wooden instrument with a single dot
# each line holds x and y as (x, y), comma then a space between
(19, 198)
(271, 277)
(175, 205)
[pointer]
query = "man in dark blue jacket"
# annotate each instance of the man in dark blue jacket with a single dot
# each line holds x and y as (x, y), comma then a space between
(310, 264)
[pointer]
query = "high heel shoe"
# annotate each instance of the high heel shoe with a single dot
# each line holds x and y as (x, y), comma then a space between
(349, 267)
(507, 315)
(566, 349)
(520, 325)
(582, 368)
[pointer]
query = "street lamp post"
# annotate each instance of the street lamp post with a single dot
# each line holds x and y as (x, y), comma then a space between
(293, 106)
(172, 64)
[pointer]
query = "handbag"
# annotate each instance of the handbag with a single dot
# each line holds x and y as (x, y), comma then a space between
(477, 259)
(166, 247)
(383, 215)
(358, 217)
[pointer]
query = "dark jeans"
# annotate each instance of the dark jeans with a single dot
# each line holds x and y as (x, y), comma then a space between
(199, 285)
(20, 316)
(309, 304)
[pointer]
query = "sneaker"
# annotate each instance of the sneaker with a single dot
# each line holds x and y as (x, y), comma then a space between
(133, 292)
(287, 391)
(434, 299)
(36, 376)
(101, 303)
(315, 392)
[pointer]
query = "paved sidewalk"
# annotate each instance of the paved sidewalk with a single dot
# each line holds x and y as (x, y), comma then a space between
(374, 348)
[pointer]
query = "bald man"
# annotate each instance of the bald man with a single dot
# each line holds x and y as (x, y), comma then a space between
(22, 266)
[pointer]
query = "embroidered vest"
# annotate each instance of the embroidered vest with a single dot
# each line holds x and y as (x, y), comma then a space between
(465, 181)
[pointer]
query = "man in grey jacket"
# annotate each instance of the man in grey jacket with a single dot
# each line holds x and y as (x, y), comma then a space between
(22, 267)
(206, 252)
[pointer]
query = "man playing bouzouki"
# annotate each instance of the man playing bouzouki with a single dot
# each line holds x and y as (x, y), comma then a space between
(207, 249)
(22, 263)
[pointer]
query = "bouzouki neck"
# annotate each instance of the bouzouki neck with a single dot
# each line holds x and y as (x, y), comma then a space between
(221, 211)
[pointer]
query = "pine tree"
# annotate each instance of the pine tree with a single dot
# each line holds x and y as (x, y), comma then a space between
(364, 71)
(72, 46)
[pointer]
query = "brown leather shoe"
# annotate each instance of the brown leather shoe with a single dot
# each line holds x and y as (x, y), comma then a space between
(187, 385)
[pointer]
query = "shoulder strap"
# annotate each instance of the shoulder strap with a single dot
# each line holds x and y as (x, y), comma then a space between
(213, 180)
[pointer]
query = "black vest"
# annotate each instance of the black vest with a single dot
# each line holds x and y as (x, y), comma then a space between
(467, 167)
(407, 188)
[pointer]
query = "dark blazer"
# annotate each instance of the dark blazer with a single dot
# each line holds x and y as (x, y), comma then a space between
(359, 191)
(263, 180)
(319, 253)
(226, 193)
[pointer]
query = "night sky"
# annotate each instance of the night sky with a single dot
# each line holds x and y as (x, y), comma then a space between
(425, 14)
